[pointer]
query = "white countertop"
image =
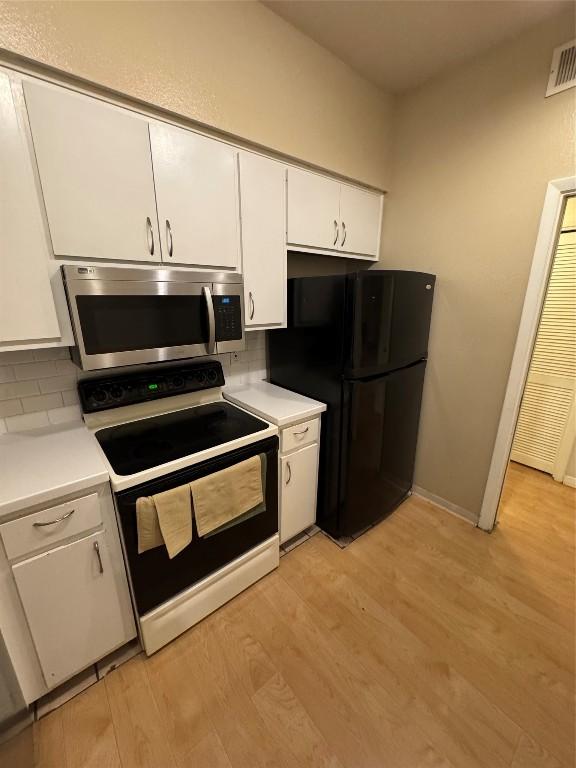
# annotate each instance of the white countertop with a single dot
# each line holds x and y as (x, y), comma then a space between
(43, 465)
(275, 404)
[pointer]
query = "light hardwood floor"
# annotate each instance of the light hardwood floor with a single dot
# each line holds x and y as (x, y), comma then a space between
(425, 644)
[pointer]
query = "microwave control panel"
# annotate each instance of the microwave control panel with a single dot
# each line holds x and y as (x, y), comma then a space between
(228, 317)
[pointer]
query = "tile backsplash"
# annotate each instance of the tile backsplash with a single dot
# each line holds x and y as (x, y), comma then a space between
(38, 387)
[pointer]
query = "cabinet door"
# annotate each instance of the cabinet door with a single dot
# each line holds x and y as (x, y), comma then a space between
(96, 173)
(197, 194)
(263, 216)
(313, 210)
(299, 478)
(72, 604)
(24, 253)
(360, 216)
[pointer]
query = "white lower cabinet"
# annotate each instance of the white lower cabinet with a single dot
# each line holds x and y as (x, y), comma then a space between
(64, 596)
(70, 599)
(299, 483)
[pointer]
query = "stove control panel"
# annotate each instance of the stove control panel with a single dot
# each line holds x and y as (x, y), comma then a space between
(106, 392)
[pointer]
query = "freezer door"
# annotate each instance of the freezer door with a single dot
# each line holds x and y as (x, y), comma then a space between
(378, 445)
(390, 320)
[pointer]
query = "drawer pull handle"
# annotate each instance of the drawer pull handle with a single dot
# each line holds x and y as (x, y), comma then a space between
(289, 468)
(302, 432)
(99, 556)
(53, 522)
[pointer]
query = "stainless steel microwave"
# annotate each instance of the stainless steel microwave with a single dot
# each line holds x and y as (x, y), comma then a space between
(125, 316)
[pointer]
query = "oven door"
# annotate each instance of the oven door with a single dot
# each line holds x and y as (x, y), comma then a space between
(154, 577)
(127, 317)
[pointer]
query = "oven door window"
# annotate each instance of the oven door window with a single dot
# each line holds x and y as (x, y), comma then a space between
(115, 323)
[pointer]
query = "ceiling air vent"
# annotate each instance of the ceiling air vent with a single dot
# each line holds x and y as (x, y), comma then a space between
(563, 71)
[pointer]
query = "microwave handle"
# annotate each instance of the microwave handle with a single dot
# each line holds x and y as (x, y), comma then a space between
(211, 320)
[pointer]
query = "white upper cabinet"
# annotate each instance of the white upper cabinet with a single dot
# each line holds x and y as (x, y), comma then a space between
(313, 210)
(197, 194)
(24, 252)
(327, 215)
(360, 216)
(96, 174)
(263, 216)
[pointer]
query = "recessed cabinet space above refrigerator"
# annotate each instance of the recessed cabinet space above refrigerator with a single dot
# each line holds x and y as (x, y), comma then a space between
(325, 215)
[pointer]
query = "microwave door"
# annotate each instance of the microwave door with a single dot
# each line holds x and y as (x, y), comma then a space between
(130, 322)
(228, 303)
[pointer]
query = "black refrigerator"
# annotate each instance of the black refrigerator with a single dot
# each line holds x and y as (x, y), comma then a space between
(359, 343)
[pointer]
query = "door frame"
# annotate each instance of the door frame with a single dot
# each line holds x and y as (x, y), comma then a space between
(556, 193)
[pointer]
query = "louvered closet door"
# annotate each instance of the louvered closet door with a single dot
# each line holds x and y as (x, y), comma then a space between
(546, 426)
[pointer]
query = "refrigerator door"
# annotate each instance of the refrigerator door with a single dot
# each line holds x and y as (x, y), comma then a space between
(380, 429)
(390, 320)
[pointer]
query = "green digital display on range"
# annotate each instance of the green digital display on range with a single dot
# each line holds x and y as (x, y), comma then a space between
(152, 386)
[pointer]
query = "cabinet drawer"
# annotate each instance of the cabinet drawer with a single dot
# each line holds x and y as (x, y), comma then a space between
(50, 526)
(299, 435)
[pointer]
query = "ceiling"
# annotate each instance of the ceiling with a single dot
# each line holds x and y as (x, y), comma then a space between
(399, 44)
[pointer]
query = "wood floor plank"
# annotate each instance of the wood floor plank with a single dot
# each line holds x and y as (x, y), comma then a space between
(457, 718)
(357, 717)
(88, 729)
(531, 755)
(185, 723)
(238, 724)
(18, 751)
(140, 734)
(496, 671)
(424, 644)
(49, 748)
(291, 726)
(207, 753)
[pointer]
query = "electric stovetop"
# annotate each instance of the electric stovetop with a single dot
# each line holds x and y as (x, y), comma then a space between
(138, 445)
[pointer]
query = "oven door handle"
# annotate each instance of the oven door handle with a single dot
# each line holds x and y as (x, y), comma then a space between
(211, 319)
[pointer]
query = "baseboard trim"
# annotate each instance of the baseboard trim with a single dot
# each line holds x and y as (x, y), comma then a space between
(569, 480)
(447, 506)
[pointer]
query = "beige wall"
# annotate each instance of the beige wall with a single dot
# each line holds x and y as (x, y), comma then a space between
(473, 152)
(235, 66)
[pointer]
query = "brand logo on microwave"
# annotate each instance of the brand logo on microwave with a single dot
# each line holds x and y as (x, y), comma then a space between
(85, 270)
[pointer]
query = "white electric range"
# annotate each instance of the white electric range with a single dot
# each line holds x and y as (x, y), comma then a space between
(163, 429)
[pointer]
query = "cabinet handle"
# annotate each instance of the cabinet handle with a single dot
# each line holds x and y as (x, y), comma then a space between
(336, 232)
(169, 238)
(150, 235)
(302, 432)
(289, 468)
(344, 233)
(99, 556)
(252, 305)
(53, 522)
